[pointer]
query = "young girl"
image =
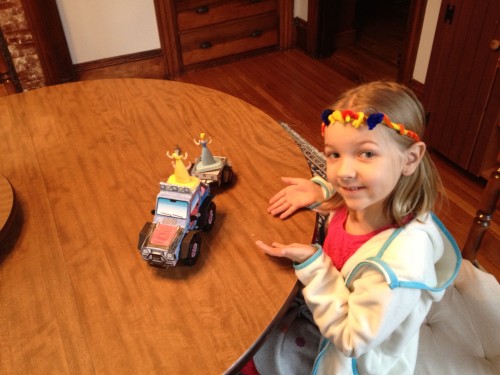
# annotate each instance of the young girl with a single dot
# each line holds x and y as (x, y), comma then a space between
(386, 258)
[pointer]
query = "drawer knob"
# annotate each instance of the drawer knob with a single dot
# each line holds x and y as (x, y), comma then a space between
(495, 45)
(206, 45)
(256, 33)
(202, 9)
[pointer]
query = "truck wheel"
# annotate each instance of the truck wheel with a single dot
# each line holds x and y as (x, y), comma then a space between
(207, 218)
(227, 175)
(143, 234)
(190, 248)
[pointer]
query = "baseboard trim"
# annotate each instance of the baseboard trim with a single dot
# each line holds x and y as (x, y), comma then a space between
(117, 60)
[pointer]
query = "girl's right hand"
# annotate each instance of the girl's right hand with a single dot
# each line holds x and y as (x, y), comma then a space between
(299, 193)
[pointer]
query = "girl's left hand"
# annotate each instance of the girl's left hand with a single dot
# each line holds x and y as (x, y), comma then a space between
(298, 253)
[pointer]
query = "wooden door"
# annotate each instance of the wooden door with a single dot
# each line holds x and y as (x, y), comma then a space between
(6, 84)
(461, 88)
(9, 84)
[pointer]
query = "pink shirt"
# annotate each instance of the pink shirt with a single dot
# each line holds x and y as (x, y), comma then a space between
(340, 245)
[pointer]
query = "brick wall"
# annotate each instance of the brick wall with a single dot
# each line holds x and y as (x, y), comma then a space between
(20, 43)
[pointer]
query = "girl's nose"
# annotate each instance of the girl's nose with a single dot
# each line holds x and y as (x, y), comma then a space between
(346, 169)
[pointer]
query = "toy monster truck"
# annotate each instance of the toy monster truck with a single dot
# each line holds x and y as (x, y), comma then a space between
(182, 211)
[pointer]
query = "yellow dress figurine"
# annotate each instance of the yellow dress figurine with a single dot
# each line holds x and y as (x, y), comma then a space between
(181, 175)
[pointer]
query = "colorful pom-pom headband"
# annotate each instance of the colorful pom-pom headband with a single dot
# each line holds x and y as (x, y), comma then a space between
(357, 118)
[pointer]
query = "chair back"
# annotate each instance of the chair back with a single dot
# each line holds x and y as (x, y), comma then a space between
(484, 215)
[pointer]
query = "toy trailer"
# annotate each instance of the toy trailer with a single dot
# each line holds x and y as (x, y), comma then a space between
(218, 173)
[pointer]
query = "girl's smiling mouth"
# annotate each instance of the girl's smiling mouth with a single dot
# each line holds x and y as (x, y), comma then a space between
(352, 188)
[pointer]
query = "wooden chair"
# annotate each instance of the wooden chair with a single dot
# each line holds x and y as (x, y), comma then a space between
(461, 332)
(481, 222)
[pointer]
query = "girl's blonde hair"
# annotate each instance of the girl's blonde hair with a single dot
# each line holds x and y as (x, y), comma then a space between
(417, 193)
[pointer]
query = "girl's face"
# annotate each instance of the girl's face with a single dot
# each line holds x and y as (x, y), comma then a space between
(362, 165)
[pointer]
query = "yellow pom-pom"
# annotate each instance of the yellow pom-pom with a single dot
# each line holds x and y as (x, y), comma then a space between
(337, 116)
(359, 121)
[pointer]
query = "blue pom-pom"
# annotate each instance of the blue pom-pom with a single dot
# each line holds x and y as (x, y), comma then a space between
(324, 116)
(374, 119)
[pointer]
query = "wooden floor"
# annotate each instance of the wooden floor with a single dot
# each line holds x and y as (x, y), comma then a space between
(294, 88)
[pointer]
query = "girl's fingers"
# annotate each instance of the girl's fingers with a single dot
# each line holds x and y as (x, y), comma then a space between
(279, 195)
(282, 193)
(297, 252)
(288, 212)
(291, 180)
(271, 250)
(276, 204)
(280, 209)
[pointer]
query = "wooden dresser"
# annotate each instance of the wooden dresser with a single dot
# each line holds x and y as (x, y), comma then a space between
(196, 33)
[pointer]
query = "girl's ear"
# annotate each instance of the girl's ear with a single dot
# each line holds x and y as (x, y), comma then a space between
(414, 156)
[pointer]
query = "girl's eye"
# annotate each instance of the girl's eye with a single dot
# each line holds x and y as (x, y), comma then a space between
(367, 154)
(334, 155)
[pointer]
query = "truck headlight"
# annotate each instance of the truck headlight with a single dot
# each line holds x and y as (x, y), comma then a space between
(145, 252)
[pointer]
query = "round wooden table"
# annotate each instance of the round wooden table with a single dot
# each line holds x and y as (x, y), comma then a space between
(85, 160)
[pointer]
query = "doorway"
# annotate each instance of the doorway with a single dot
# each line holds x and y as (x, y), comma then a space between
(9, 81)
(367, 40)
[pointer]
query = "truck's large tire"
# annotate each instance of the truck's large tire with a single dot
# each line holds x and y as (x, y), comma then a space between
(143, 234)
(190, 248)
(208, 212)
(227, 175)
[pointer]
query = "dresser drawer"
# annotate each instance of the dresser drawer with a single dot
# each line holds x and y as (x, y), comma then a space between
(198, 13)
(229, 39)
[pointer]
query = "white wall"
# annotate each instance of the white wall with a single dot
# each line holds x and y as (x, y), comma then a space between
(300, 9)
(97, 29)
